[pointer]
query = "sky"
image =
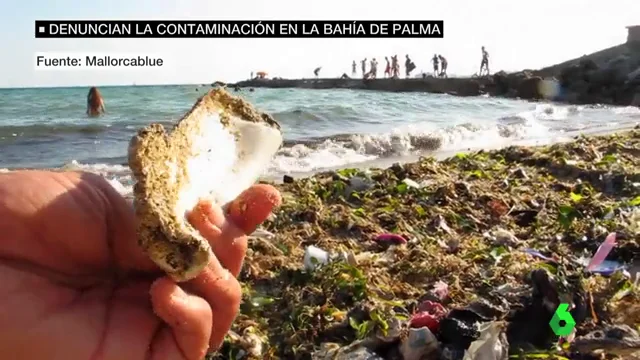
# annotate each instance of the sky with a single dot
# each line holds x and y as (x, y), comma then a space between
(518, 34)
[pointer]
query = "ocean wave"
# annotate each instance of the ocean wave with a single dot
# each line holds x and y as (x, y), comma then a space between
(47, 130)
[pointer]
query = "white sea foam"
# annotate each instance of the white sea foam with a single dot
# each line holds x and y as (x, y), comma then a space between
(403, 142)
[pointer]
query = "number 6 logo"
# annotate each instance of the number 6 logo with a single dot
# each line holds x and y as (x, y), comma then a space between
(562, 314)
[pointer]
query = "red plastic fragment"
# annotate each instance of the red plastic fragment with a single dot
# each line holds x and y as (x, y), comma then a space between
(391, 238)
(429, 314)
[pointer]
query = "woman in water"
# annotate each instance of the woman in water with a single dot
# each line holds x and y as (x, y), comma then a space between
(95, 102)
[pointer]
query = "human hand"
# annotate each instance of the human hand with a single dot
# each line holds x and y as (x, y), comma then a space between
(76, 285)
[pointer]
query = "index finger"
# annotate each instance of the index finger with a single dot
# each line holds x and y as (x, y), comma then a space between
(227, 234)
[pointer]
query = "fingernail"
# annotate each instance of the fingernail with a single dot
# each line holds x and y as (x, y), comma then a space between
(253, 206)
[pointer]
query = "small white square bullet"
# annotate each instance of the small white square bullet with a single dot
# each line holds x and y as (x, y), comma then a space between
(41, 29)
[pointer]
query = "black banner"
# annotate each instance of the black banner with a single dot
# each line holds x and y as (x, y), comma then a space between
(238, 29)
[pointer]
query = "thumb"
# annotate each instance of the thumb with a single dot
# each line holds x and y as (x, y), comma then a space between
(189, 320)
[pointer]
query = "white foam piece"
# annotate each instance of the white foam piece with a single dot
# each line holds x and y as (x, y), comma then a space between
(223, 165)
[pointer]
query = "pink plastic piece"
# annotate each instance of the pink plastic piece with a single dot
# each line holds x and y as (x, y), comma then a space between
(391, 238)
(604, 250)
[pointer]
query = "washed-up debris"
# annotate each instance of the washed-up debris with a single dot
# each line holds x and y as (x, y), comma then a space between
(492, 343)
(262, 234)
(543, 230)
(538, 254)
(411, 183)
(429, 315)
(390, 239)
(504, 237)
(604, 250)
(314, 256)
(440, 290)
(352, 352)
(251, 343)
(621, 340)
(420, 343)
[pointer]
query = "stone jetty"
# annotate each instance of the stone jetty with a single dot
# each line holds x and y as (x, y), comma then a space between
(609, 76)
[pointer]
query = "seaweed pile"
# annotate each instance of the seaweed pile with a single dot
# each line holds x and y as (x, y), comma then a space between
(485, 235)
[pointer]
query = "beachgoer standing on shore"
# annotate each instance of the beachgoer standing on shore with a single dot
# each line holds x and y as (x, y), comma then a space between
(395, 66)
(353, 68)
(374, 69)
(443, 66)
(409, 65)
(363, 64)
(251, 78)
(387, 68)
(435, 62)
(484, 65)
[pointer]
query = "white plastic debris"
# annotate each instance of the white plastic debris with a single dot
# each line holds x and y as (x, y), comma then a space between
(314, 256)
(419, 343)
(411, 183)
(355, 351)
(262, 234)
(491, 345)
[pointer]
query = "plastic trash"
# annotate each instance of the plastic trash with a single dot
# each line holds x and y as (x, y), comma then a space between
(537, 254)
(603, 250)
(390, 238)
(314, 256)
(411, 183)
(355, 351)
(491, 345)
(419, 343)
(440, 290)
(262, 234)
(429, 315)
(608, 267)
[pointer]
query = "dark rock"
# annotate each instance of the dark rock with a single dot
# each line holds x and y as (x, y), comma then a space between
(530, 88)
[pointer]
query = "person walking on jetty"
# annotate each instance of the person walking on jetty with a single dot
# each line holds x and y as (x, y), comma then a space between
(373, 73)
(409, 66)
(484, 65)
(443, 66)
(353, 68)
(387, 68)
(435, 60)
(363, 64)
(395, 66)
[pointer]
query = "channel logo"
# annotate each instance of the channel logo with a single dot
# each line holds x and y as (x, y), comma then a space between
(562, 323)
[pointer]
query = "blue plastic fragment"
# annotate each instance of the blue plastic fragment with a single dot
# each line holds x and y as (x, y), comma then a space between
(608, 267)
(538, 254)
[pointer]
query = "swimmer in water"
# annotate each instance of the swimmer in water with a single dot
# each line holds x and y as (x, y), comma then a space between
(95, 103)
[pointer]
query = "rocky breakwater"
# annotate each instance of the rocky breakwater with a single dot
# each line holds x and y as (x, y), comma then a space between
(611, 76)
(452, 86)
